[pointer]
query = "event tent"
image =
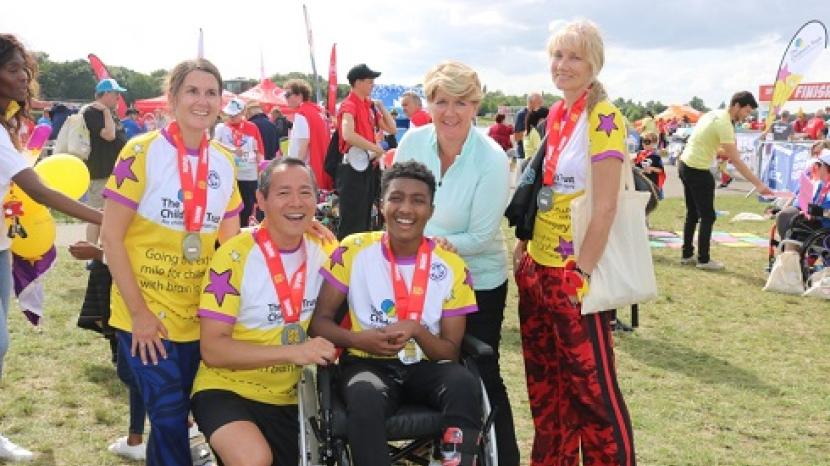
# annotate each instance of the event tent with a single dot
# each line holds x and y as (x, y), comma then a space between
(267, 93)
(160, 102)
(679, 111)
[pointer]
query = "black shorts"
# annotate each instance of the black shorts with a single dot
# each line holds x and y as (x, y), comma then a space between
(279, 424)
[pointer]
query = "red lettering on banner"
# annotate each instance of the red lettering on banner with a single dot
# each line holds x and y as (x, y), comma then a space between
(804, 91)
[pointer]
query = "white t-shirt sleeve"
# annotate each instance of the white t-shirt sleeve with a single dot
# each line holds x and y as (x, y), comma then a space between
(298, 131)
(12, 162)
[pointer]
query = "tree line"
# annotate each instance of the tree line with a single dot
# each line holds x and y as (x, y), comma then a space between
(74, 81)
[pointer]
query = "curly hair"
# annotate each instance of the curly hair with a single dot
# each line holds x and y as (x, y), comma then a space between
(9, 45)
(411, 170)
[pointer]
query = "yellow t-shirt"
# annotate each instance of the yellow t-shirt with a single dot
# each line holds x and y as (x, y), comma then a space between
(361, 269)
(238, 290)
(712, 130)
(146, 179)
(600, 135)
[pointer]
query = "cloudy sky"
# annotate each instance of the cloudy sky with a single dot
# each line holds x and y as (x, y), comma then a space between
(655, 50)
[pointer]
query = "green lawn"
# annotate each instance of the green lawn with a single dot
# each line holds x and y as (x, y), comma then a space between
(719, 372)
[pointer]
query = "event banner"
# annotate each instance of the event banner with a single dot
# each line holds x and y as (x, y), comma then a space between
(747, 142)
(803, 50)
(784, 165)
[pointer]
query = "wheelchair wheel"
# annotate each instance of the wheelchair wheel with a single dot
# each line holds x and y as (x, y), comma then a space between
(815, 253)
(488, 451)
(308, 408)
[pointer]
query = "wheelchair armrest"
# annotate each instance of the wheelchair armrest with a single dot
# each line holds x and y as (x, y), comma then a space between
(474, 347)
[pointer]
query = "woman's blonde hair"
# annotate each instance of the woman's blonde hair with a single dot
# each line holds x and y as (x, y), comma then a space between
(454, 78)
(584, 36)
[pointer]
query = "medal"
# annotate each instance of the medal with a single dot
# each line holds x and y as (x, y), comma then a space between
(544, 199)
(289, 295)
(293, 334)
(411, 353)
(409, 304)
(192, 247)
(194, 192)
(358, 158)
(558, 137)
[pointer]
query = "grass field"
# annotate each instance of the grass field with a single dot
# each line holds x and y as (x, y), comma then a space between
(719, 372)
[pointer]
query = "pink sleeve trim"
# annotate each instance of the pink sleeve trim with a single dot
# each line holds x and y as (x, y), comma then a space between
(207, 313)
(119, 198)
(609, 154)
(459, 311)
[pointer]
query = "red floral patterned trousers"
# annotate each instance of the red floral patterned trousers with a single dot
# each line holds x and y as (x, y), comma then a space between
(571, 379)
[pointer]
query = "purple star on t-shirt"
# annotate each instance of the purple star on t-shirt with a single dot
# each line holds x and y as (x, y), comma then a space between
(337, 256)
(124, 171)
(783, 73)
(565, 248)
(220, 285)
(606, 123)
(468, 277)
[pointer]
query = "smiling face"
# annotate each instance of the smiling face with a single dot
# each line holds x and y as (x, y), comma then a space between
(570, 68)
(407, 206)
(290, 203)
(14, 79)
(195, 104)
(452, 116)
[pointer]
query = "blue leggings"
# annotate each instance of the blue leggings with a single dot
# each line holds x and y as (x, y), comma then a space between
(137, 410)
(165, 389)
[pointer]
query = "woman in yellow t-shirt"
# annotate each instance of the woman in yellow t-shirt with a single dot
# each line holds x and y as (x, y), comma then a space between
(569, 360)
(172, 194)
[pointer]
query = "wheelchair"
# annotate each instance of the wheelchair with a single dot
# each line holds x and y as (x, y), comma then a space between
(413, 432)
(810, 239)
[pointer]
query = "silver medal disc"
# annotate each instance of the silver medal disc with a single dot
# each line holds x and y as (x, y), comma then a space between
(293, 334)
(358, 158)
(545, 198)
(192, 247)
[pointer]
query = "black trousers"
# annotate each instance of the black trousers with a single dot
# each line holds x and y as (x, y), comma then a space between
(699, 193)
(247, 190)
(486, 326)
(373, 389)
(357, 192)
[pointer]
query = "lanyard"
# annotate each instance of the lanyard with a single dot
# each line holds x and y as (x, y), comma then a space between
(290, 295)
(558, 136)
(194, 192)
(409, 304)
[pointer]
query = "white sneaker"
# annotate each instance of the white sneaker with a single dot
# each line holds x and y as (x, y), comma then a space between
(193, 431)
(688, 261)
(133, 452)
(711, 265)
(11, 452)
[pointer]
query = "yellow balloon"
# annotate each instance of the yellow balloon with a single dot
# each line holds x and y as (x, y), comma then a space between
(29, 206)
(40, 236)
(64, 173)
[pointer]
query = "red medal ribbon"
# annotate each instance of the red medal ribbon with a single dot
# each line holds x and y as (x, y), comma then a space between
(194, 192)
(290, 295)
(409, 304)
(558, 136)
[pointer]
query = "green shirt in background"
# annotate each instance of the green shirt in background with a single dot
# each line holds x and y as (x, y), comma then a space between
(712, 130)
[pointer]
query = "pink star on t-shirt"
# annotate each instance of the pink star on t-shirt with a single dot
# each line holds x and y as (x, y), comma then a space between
(783, 73)
(220, 285)
(124, 171)
(606, 123)
(468, 277)
(337, 257)
(565, 248)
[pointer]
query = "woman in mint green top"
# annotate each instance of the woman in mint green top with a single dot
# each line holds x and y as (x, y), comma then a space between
(472, 174)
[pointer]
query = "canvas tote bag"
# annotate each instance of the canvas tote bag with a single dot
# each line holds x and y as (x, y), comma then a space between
(625, 272)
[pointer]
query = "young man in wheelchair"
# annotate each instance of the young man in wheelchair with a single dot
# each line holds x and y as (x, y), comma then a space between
(255, 308)
(792, 223)
(407, 299)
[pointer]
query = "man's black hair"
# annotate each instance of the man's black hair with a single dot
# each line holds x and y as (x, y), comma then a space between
(743, 98)
(411, 170)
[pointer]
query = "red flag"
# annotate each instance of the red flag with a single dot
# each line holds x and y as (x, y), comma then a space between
(332, 100)
(100, 72)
